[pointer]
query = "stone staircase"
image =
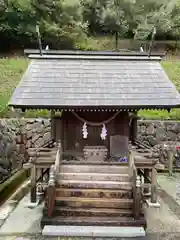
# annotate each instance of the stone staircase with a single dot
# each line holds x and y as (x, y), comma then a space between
(93, 195)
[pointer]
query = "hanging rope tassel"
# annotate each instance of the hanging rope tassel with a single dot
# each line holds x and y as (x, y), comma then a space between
(84, 130)
(104, 132)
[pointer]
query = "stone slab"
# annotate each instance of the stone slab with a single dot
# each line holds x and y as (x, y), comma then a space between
(23, 220)
(169, 184)
(93, 231)
(31, 204)
(5, 211)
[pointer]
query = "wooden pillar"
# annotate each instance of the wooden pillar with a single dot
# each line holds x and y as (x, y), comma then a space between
(33, 184)
(130, 162)
(42, 174)
(51, 192)
(146, 176)
(170, 162)
(154, 185)
(134, 128)
(64, 129)
(53, 125)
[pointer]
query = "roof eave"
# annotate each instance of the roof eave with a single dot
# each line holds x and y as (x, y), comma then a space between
(55, 107)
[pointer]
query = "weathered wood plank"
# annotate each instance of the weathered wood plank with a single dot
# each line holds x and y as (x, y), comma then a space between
(86, 168)
(42, 154)
(95, 184)
(44, 149)
(51, 191)
(93, 177)
(50, 199)
(93, 193)
(90, 212)
(44, 159)
(94, 202)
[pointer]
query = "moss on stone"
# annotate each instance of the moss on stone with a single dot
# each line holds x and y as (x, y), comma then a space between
(8, 187)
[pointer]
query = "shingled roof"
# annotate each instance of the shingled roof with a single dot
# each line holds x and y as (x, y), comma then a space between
(64, 81)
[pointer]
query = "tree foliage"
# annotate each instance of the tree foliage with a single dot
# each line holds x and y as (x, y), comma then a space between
(64, 22)
(153, 14)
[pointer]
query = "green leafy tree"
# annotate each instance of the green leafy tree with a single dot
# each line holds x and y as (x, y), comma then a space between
(60, 21)
(17, 22)
(175, 21)
(151, 13)
(113, 18)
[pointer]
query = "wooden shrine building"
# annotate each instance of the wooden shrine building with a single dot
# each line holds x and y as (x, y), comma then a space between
(95, 177)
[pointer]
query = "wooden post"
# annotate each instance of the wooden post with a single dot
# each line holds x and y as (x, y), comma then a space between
(137, 199)
(146, 175)
(58, 157)
(33, 184)
(42, 174)
(51, 191)
(130, 162)
(134, 128)
(154, 185)
(53, 127)
(170, 161)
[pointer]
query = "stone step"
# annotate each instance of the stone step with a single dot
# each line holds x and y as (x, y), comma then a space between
(93, 193)
(89, 212)
(93, 163)
(93, 221)
(94, 202)
(93, 231)
(95, 184)
(94, 168)
(119, 177)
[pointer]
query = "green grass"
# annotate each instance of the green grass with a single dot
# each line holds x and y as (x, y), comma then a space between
(172, 69)
(12, 69)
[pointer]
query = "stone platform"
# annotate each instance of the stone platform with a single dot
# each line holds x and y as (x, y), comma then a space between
(25, 222)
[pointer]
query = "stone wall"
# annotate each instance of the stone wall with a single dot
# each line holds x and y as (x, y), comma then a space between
(38, 131)
(13, 149)
(153, 133)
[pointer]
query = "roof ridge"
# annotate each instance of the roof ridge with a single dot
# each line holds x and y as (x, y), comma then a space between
(93, 57)
(93, 53)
